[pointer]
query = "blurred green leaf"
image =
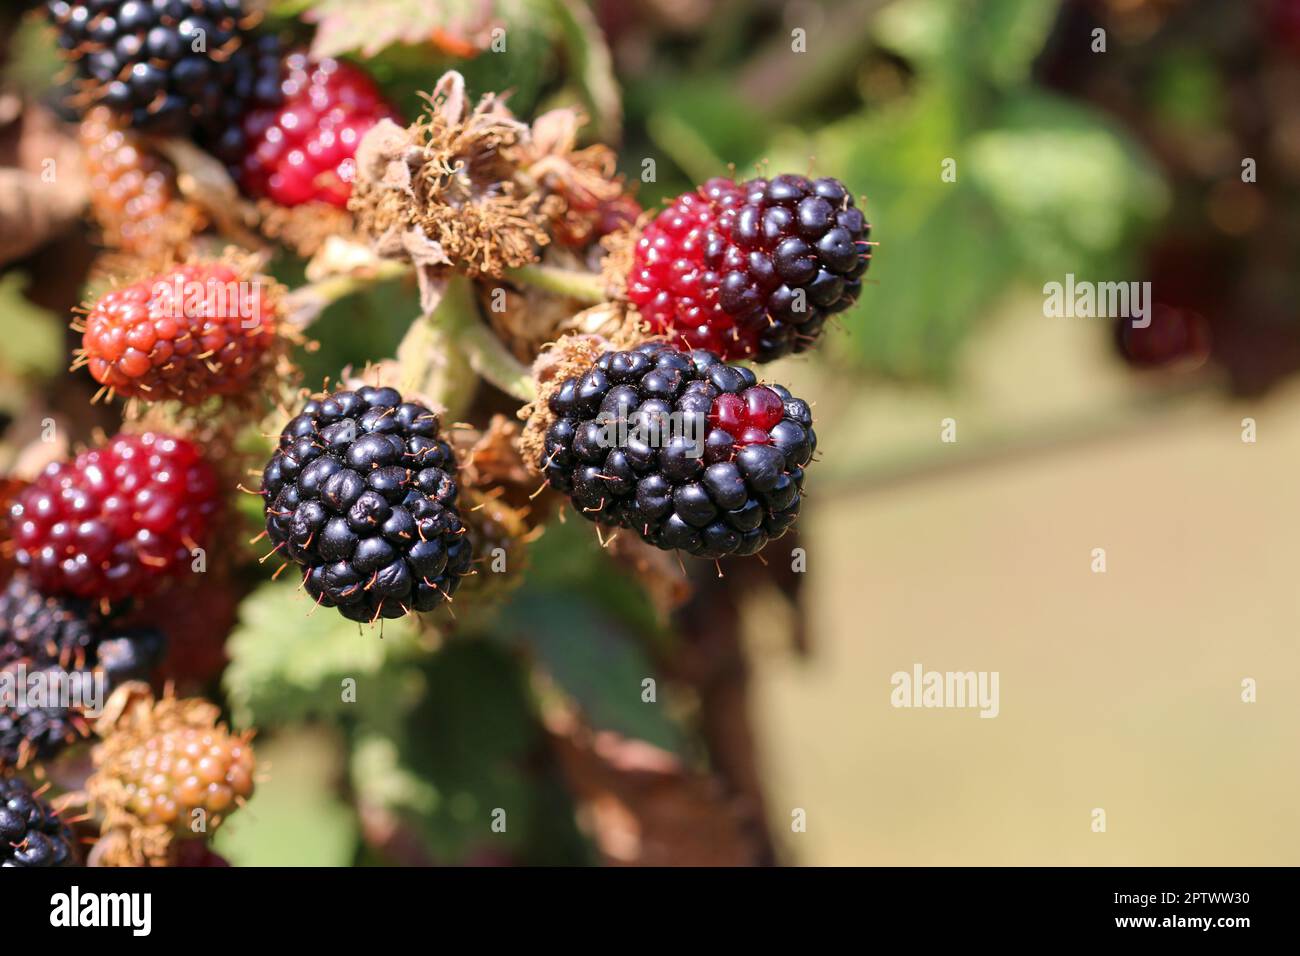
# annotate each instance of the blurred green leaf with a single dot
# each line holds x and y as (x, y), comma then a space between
(464, 753)
(593, 68)
(1072, 190)
(288, 659)
(960, 40)
(295, 816)
(33, 337)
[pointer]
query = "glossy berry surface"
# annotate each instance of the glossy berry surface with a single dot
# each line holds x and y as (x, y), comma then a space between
(115, 521)
(60, 635)
(188, 334)
(31, 833)
(301, 149)
(162, 64)
(362, 495)
(752, 269)
(687, 451)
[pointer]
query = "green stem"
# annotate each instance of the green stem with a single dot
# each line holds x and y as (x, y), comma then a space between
(586, 287)
(442, 353)
(306, 303)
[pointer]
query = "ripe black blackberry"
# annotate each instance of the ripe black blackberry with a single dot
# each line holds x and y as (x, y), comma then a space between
(61, 636)
(362, 495)
(31, 833)
(163, 63)
(683, 449)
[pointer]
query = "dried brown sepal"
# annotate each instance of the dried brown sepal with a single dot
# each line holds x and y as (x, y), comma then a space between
(586, 179)
(307, 228)
(643, 807)
(565, 358)
(442, 192)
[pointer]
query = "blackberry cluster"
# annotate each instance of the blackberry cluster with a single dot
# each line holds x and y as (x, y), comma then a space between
(31, 833)
(752, 269)
(42, 633)
(362, 495)
(683, 449)
(165, 64)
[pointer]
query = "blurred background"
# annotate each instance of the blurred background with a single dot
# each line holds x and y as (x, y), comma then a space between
(998, 146)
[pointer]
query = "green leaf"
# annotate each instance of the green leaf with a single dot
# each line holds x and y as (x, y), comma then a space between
(1073, 190)
(592, 65)
(959, 40)
(463, 753)
(288, 658)
(33, 337)
(295, 816)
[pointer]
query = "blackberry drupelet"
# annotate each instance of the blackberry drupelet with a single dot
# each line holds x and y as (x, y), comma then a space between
(708, 460)
(39, 633)
(31, 833)
(116, 520)
(165, 64)
(752, 269)
(362, 495)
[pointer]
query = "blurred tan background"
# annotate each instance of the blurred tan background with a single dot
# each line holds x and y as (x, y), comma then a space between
(1119, 690)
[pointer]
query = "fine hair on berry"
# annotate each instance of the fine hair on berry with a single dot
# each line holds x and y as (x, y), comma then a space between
(751, 270)
(189, 333)
(362, 496)
(685, 450)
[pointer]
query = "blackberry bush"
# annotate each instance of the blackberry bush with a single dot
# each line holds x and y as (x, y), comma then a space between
(752, 269)
(362, 496)
(687, 451)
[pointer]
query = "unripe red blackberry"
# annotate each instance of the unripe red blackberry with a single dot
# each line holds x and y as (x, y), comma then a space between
(31, 833)
(752, 269)
(118, 519)
(60, 636)
(162, 64)
(687, 451)
(301, 149)
(362, 496)
(187, 334)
